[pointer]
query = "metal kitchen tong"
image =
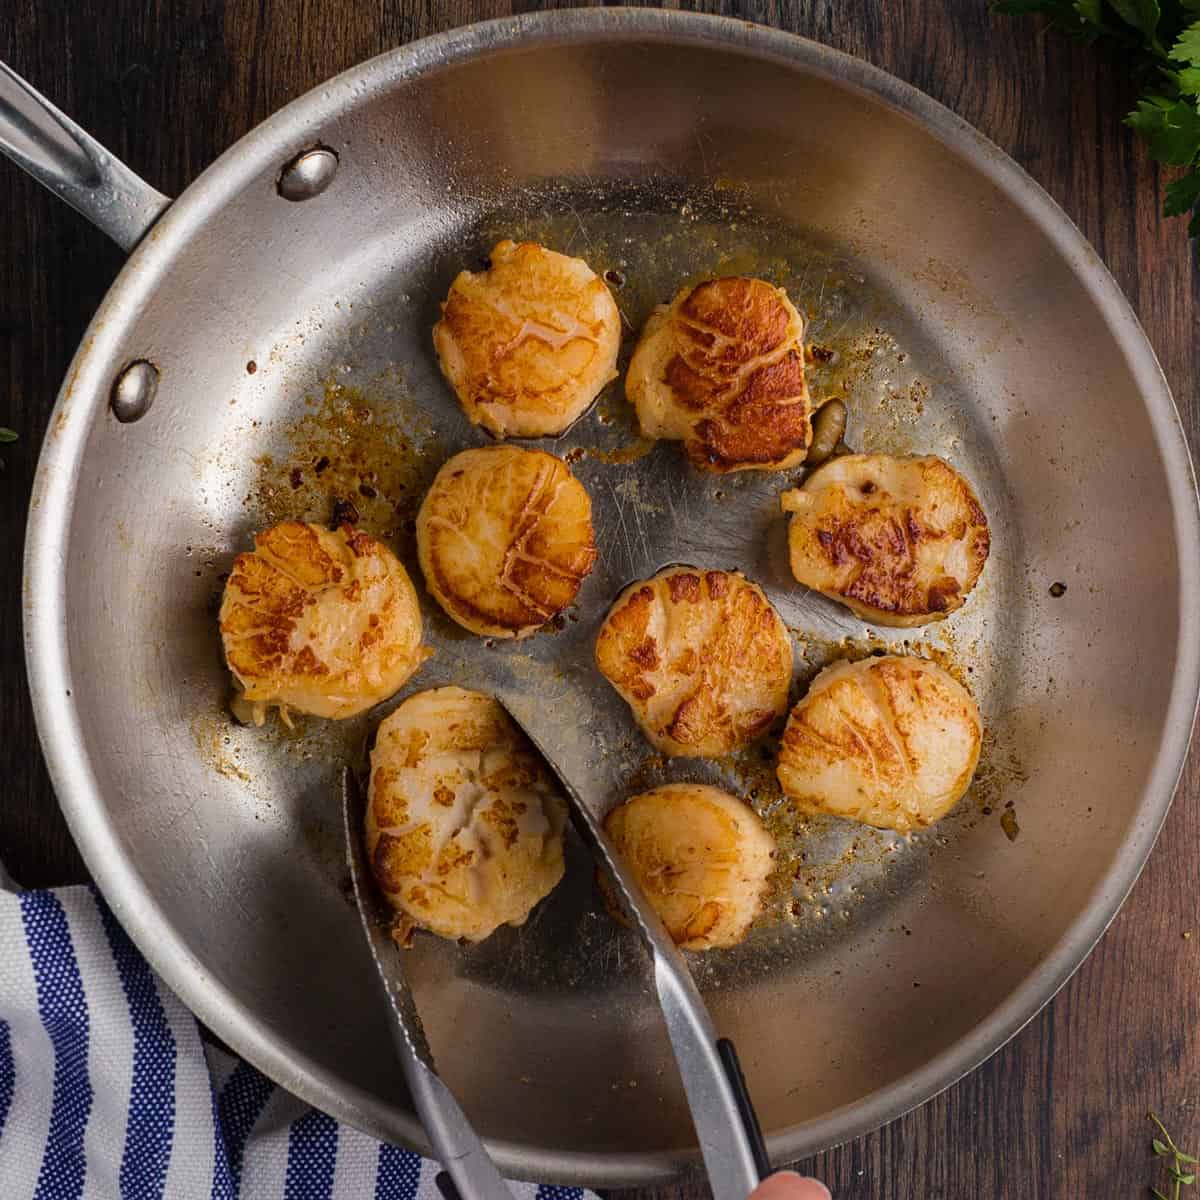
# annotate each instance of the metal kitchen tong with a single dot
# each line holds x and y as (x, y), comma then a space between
(731, 1141)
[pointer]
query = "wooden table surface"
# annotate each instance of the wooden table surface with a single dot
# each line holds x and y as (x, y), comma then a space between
(1060, 1111)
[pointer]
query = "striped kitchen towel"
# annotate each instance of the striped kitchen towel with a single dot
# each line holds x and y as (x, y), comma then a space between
(108, 1093)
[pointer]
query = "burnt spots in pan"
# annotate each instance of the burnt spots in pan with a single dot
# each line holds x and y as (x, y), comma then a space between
(345, 512)
(347, 449)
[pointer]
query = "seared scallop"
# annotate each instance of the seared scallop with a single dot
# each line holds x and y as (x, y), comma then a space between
(505, 539)
(319, 621)
(721, 368)
(464, 826)
(901, 541)
(528, 343)
(702, 858)
(892, 742)
(701, 658)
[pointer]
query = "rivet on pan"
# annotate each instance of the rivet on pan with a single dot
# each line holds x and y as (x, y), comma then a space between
(133, 393)
(308, 174)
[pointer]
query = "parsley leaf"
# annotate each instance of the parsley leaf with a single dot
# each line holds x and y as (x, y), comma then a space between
(1143, 15)
(1182, 194)
(1187, 80)
(1171, 128)
(1136, 34)
(1187, 46)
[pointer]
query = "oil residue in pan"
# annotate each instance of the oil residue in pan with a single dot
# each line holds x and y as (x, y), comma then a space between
(376, 408)
(349, 455)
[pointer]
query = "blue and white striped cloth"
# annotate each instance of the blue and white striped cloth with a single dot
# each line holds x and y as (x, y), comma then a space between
(108, 1093)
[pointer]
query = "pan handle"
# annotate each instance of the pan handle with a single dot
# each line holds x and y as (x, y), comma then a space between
(74, 166)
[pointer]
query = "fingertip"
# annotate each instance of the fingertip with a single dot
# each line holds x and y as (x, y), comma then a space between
(787, 1185)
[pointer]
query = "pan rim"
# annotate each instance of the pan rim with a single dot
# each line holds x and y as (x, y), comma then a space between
(83, 398)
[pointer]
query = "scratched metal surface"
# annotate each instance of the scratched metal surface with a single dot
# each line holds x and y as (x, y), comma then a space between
(967, 319)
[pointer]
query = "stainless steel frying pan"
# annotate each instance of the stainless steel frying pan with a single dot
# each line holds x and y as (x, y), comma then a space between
(280, 311)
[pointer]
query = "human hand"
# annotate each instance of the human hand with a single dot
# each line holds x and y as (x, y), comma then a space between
(787, 1185)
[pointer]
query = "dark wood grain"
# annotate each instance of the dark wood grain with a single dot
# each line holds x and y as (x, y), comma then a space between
(1060, 1112)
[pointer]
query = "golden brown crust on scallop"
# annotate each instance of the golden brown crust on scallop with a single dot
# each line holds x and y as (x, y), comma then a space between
(505, 539)
(722, 368)
(900, 541)
(892, 742)
(701, 658)
(528, 343)
(319, 621)
(463, 825)
(701, 857)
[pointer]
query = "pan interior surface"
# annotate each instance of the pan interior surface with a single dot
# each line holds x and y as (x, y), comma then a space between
(961, 321)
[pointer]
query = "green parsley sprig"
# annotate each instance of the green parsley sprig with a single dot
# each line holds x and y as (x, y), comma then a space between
(1158, 43)
(1165, 1147)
